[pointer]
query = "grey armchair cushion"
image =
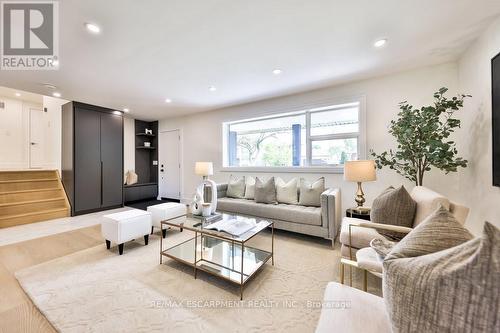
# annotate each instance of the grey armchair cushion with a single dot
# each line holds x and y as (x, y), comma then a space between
(265, 192)
(287, 192)
(310, 193)
(453, 290)
(236, 187)
(395, 207)
(437, 232)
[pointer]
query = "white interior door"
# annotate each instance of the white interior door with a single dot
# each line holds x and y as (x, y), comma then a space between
(170, 165)
(38, 128)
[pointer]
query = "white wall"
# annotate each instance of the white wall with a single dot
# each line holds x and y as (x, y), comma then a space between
(202, 133)
(54, 134)
(474, 70)
(128, 144)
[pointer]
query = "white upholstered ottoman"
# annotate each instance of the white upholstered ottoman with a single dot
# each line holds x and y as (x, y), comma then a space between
(166, 211)
(125, 226)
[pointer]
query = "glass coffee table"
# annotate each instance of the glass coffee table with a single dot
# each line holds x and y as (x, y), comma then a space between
(219, 253)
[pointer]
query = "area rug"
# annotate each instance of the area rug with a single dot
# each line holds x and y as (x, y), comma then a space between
(97, 290)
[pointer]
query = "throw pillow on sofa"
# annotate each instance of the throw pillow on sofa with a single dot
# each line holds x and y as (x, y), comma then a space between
(395, 207)
(286, 192)
(265, 192)
(250, 188)
(310, 193)
(236, 187)
(453, 290)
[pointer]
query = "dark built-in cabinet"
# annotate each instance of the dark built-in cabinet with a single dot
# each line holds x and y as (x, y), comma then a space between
(92, 157)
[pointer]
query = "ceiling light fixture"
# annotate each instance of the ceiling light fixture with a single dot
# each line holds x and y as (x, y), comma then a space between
(212, 88)
(379, 43)
(126, 110)
(93, 28)
(55, 62)
(277, 71)
(18, 94)
(168, 100)
(56, 94)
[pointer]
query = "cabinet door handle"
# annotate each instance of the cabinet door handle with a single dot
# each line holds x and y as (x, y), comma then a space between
(101, 184)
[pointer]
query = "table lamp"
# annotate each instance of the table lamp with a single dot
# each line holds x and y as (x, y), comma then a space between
(205, 169)
(360, 171)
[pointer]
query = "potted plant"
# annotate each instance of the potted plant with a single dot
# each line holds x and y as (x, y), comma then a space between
(422, 137)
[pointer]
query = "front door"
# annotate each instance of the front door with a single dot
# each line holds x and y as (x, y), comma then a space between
(170, 165)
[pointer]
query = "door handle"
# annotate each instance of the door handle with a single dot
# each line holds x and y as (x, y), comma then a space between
(33, 143)
(101, 184)
(161, 170)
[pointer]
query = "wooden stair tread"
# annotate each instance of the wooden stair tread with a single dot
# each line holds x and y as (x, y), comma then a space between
(32, 190)
(17, 203)
(28, 180)
(54, 210)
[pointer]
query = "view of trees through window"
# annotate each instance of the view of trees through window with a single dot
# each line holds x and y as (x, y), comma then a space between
(281, 141)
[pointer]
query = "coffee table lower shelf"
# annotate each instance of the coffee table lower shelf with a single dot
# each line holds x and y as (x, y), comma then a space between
(220, 257)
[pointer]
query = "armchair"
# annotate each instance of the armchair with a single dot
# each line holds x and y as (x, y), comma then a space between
(356, 234)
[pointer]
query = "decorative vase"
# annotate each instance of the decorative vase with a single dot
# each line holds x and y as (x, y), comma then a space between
(206, 210)
(196, 205)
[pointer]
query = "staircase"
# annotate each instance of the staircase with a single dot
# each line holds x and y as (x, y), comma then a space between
(31, 196)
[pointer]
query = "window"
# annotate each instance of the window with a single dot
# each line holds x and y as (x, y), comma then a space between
(318, 137)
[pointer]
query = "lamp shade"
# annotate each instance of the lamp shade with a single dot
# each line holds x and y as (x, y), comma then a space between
(204, 168)
(360, 171)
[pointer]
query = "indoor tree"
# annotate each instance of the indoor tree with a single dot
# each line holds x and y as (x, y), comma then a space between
(422, 137)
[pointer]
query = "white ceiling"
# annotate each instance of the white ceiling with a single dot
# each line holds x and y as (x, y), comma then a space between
(151, 50)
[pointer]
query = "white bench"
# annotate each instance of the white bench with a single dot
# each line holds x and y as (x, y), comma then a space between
(166, 211)
(126, 226)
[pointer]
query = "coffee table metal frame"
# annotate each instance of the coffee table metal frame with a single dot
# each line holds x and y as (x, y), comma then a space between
(201, 233)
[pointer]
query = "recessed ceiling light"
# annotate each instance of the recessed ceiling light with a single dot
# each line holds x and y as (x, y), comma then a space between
(168, 100)
(18, 94)
(277, 71)
(212, 88)
(49, 86)
(126, 110)
(55, 62)
(93, 28)
(380, 42)
(56, 94)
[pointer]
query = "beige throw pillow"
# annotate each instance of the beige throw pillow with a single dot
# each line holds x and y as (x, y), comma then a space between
(250, 188)
(310, 193)
(395, 207)
(453, 290)
(132, 178)
(287, 192)
(265, 192)
(437, 232)
(236, 187)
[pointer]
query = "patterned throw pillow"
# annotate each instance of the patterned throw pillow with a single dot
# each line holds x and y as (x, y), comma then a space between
(453, 290)
(310, 193)
(395, 207)
(382, 246)
(236, 187)
(287, 192)
(265, 192)
(250, 188)
(439, 231)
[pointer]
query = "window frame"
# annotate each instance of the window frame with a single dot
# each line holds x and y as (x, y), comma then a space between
(307, 110)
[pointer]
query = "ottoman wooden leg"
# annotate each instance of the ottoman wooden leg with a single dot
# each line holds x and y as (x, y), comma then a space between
(164, 233)
(152, 229)
(108, 244)
(120, 248)
(146, 239)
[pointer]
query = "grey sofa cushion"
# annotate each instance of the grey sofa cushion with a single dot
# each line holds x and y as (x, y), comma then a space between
(437, 232)
(454, 290)
(287, 192)
(310, 193)
(265, 192)
(250, 188)
(395, 207)
(236, 187)
(283, 212)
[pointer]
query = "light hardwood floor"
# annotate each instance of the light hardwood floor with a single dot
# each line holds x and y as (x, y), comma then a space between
(17, 313)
